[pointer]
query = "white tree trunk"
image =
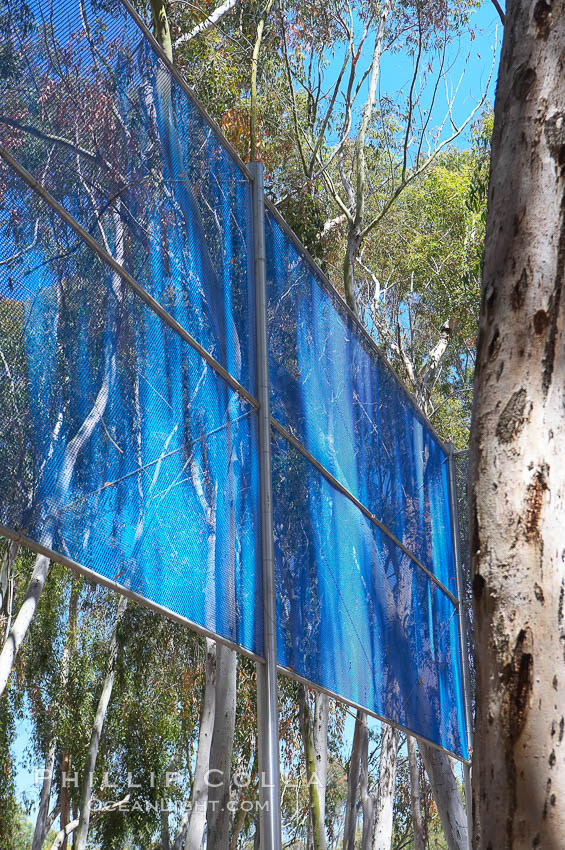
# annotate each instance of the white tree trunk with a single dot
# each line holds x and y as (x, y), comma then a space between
(41, 828)
(415, 794)
(517, 489)
(212, 20)
(70, 827)
(367, 801)
(320, 740)
(316, 784)
(447, 798)
(384, 798)
(22, 622)
(350, 825)
(97, 726)
(219, 816)
(197, 821)
(7, 582)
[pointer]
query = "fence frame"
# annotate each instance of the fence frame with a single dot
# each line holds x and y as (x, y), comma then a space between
(267, 690)
(266, 667)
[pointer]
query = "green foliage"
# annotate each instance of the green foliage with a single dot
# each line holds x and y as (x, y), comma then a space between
(21, 832)
(9, 812)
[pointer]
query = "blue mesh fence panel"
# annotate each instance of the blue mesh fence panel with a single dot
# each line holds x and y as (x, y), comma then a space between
(355, 614)
(120, 448)
(93, 113)
(344, 404)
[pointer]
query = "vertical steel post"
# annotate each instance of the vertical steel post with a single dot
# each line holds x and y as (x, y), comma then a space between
(267, 695)
(463, 623)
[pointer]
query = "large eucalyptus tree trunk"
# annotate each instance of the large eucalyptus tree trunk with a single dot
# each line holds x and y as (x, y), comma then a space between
(518, 450)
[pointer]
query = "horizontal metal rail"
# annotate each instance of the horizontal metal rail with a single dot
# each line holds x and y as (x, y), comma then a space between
(345, 308)
(370, 516)
(187, 90)
(98, 578)
(290, 674)
(131, 282)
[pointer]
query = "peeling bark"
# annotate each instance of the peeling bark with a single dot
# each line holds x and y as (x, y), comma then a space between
(517, 509)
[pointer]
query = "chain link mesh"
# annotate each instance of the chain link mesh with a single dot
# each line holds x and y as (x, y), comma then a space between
(122, 450)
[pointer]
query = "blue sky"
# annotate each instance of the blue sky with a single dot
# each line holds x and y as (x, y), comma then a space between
(471, 58)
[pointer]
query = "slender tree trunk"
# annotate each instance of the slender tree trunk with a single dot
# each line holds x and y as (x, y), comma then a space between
(197, 822)
(72, 826)
(165, 834)
(254, 68)
(41, 829)
(99, 719)
(350, 258)
(446, 796)
(316, 789)
(221, 749)
(384, 798)
(320, 741)
(42, 824)
(517, 510)
(70, 648)
(7, 583)
(22, 622)
(208, 23)
(415, 794)
(355, 233)
(350, 825)
(161, 25)
(367, 801)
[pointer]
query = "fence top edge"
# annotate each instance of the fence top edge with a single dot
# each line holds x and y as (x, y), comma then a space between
(367, 338)
(108, 260)
(272, 208)
(173, 70)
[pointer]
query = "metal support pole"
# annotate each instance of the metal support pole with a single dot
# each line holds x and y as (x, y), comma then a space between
(462, 616)
(267, 694)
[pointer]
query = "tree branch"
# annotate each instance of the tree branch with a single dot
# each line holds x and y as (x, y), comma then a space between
(49, 137)
(500, 11)
(211, 21)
